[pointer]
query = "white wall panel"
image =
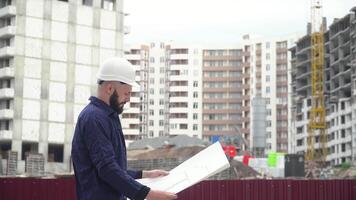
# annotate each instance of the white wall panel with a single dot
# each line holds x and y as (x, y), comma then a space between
(84, 35)
(34, 27)
(33, 47)
(107, 39)
(59, 51)
(32, 88)
(56, 132)
(58, 71)
(30, 130)
(56, 112)
(108, 19)
(83, 74)
(59, 31)
(34, 8)
(83, 54)
(32, 68)
(81, 94)
(60, 11)
(85, 16)
(31, 109)
(57, 91)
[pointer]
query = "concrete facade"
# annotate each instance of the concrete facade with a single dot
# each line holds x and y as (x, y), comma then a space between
(339, 73)
(49, 54)
(259, 68)
(171, 84)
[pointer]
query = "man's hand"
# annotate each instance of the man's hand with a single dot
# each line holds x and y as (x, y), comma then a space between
(160, 195)
(154, 173)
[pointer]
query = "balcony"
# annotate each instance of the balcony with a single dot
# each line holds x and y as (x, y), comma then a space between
(6, 114)
(7, 93)
(7, 72)
(7, 31)
(5, 135)
(133, 57)
(8, 11)
(179, 56)
(7, 51)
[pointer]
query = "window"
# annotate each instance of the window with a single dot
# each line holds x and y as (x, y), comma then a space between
(151, 122)
(151, 133)
(195, 105)
(268, 67)
(55, 152)
(161, 80)
(161, 122)
(152, 102)
(161, 112)
(88, 2)
(195, 94)
(152, 60)
(161, 70)
(108, 4)
(268, 90)
(161, 102)
(195, 127)
(152, 91)
(183, 126)
(268, 123)
(161, 59)
(269, 112)
(268, 56)
(151, 112)
(267, 45)
(4, 148)
(152, 80)
(27, 148)
(161, 91)
(195, 84)
(267, 78)
(195, 116)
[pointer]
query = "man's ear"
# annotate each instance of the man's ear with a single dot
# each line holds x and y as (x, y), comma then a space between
(109, 88)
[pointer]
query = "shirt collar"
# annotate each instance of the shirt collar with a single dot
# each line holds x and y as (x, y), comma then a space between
(102, 105)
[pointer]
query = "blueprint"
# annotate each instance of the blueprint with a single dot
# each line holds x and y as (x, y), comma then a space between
(206, 163)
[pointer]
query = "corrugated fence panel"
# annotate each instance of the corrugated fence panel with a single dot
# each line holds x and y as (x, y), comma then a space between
(281, 189)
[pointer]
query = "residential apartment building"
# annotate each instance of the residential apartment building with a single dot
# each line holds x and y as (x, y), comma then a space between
(171, 93)
(233, 79)
(49, 54)
(226, 92)
(339, 73)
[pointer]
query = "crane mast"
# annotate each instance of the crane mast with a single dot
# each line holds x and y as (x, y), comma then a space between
(317, 123)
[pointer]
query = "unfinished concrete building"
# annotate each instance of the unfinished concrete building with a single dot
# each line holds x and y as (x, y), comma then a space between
(339, 41)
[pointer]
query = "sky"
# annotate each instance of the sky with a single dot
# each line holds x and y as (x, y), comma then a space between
(221, 21)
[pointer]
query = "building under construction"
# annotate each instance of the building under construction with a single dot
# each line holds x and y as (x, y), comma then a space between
(339, 90)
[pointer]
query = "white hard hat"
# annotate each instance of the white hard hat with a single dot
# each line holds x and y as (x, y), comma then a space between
(117, 69)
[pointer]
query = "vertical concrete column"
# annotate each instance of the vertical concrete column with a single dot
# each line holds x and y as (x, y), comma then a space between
(46, 56)
(119, 28)
(70, 84)
(19, 74)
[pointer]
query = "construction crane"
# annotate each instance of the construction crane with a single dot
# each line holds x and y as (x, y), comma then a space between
(317, 122)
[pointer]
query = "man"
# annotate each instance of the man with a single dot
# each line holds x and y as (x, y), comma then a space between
(98, 146)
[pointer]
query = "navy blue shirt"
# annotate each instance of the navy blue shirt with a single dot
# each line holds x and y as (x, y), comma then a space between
(99, 156)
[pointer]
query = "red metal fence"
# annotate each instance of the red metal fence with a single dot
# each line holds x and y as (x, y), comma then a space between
(283, 189)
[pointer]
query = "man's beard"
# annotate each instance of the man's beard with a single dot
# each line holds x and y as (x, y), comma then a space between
(118, 107)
